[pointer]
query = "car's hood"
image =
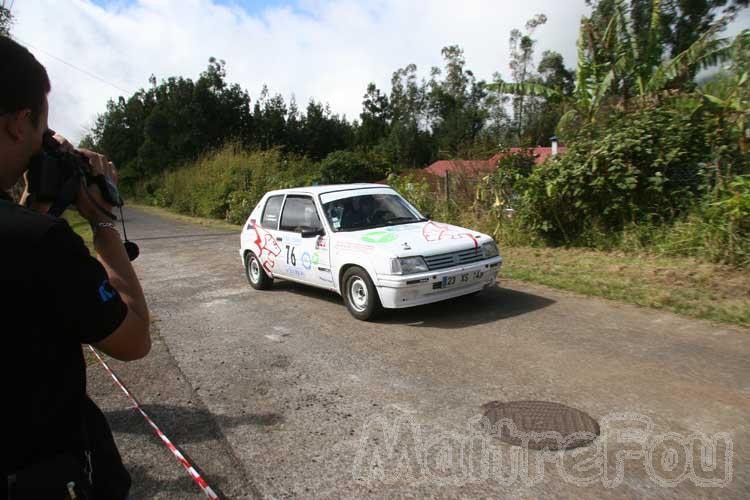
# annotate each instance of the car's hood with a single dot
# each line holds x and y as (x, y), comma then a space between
(419, 238)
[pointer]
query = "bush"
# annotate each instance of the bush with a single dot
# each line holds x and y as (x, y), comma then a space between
(718, 230)
(643, 167)
(343, 167)
(227, 183)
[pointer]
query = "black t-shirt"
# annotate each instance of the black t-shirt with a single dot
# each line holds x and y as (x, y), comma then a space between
(55, 297)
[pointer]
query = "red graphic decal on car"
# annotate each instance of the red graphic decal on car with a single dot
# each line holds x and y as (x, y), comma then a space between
(268, 249)
(435, 231)
(321, 242)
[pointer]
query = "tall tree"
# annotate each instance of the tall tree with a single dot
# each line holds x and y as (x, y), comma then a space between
(269, 120)
(456, 105)
(408, 141)
(542, 115)
(521, 62)
(374, 116)
(6, 20)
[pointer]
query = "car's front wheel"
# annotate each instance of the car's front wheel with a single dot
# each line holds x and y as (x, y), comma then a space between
(255, 273)
(360, 295)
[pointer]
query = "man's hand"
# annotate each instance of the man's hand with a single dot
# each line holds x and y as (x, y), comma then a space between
(87, 195)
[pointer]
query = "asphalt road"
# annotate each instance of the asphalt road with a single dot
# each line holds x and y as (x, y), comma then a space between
(282, 394)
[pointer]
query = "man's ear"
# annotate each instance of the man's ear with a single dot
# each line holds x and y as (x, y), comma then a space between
(16, 124)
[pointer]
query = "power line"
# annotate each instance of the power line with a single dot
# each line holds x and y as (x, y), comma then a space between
(85, 72)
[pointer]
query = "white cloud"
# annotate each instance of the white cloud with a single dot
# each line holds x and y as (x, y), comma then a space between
(325, 49)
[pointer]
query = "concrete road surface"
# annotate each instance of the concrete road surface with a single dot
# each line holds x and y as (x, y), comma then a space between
(282, 394)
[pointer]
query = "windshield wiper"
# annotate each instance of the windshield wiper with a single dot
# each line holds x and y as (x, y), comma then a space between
(360, 228)
(402, 220)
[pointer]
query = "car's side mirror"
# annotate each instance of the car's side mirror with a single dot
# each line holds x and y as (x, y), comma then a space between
(427, 216)
(311, 232)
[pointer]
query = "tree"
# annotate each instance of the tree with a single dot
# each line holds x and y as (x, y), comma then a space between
(324, 132)
(674, 24)
(521, 62)
(542, 115)
(455, 104)
(374, 116)
(408, 140)
(613, 66)
(269, 120)
(6, 20)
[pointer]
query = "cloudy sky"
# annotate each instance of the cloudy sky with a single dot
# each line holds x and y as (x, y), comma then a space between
(326, 49)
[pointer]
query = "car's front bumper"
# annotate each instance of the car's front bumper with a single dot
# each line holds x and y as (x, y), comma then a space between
(425, 288)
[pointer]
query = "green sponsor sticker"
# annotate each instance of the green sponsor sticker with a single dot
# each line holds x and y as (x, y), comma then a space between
(379, 237)
(315, 258)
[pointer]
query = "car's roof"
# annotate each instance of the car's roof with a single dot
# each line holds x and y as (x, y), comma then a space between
(328, 188)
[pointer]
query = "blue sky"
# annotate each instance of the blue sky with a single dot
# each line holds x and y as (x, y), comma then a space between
(250, 6)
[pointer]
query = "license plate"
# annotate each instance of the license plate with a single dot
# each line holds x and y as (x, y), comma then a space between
(461, 279)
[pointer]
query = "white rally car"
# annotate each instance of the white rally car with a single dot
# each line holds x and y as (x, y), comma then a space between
(367, 243)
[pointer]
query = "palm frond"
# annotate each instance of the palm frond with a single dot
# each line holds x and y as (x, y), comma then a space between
(705, 52)
(525, 88)
(601, 90)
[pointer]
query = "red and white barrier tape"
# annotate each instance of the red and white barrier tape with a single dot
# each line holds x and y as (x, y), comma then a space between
(189, 468)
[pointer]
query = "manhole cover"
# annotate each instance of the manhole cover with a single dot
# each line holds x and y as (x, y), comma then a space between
(541, 424)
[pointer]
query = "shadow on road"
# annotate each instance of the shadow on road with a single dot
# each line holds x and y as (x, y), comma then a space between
(184, 424)
(145, 485)
(469, 310)
(280, 285)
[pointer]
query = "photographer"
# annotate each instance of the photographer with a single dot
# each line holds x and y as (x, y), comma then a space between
(56, 296)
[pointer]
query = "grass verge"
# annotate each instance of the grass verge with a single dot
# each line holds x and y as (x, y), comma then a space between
(678, 284)
(81, 226)
(202, 221)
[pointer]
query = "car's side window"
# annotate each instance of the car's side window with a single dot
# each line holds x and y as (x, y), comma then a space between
(270, 219)
(299, 213)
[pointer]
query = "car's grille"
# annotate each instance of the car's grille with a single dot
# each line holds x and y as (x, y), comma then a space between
(445, 260)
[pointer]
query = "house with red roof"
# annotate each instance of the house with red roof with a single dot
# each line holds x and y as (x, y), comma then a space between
(479, 167)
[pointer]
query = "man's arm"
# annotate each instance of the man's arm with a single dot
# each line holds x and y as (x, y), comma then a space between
(132, 339)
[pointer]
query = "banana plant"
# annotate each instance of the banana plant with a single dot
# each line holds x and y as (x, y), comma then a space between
(613, 66)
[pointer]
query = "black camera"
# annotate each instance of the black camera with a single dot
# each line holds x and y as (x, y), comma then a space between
(55, 176)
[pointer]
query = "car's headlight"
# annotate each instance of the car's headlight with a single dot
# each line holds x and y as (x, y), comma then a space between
(489, 250)
(408, 265)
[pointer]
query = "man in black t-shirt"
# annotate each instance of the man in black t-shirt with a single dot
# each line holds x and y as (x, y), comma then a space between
(55, 297)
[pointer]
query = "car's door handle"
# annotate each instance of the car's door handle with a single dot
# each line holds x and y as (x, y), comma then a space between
(279, 238)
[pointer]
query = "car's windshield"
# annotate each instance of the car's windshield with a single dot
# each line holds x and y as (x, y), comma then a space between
(368, 211)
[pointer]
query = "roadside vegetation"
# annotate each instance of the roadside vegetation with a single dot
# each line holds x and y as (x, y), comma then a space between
(649, 204)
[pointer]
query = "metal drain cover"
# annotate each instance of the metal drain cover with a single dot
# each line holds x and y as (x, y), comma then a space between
(541, 424)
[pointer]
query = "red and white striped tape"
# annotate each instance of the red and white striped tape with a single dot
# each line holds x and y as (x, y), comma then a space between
(189, 468)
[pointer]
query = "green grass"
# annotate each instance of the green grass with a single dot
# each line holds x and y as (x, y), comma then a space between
(677, 284)
(81, 227)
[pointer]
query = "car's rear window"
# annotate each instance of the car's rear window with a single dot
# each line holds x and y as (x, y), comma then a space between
(299, 213)
(270, 218)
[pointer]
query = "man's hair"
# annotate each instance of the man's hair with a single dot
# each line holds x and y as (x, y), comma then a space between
(24, 82)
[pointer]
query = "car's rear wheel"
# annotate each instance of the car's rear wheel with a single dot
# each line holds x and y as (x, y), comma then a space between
(360, 295)
(255, 273)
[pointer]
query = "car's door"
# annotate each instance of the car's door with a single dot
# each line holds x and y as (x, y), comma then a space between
(303, 258)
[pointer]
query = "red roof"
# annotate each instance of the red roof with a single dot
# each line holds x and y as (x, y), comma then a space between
(468, 166)
(485, 166)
